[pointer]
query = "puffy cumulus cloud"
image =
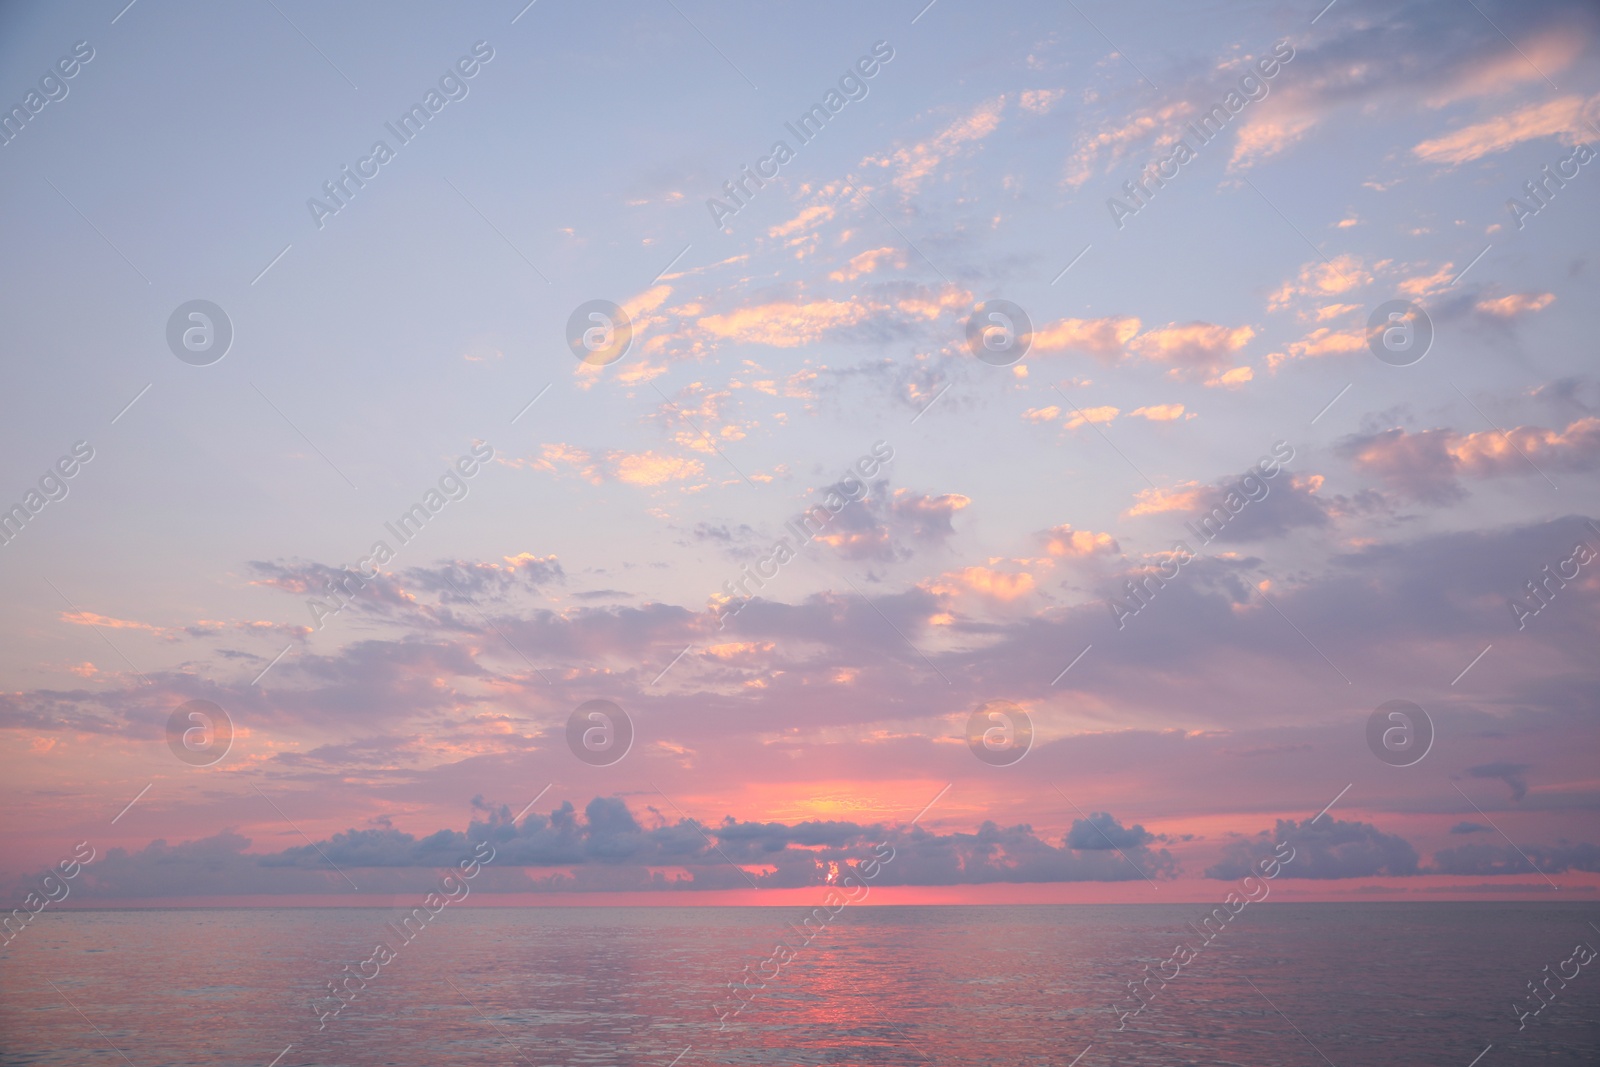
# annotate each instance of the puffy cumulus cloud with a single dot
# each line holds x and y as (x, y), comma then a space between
(1317, 281)
(987, 582)
(1428, 465)
(1100, 830)
(1509, 859)
(1065, 542)
(926, 517)
(1514, 775)
(1562, 118)
(1106, 338)
(609, 847)
(1091, 416)
(653, 468)
(1017, 854)
(1194, 349)
(1507, 307)
(1232, 379)
(915, 163)
(1158, 412)
(1323, 848)
(1185, 496)
(1323, 341)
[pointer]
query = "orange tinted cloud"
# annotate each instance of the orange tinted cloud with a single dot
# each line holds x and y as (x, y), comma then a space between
(1340, 275)
(89, 618)
(1040, 101)
(1105, 338)
(1084, 416)
(1232, 379)
(1516, 304)
(642, 468)
(985, 581)
(916, 162)
(1182, 497)
(783, 324)
(1193, 349)
(1323, 342)
(1561, 118)
(863, 263)
(1159, 412)
(1078, 544)
(651, 468)
(1426, 464)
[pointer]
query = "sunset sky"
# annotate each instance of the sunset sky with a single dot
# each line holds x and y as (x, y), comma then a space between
(1183, 341)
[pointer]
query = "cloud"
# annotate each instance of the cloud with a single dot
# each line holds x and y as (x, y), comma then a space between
(457, 580)
(1193, 350)
(1158, 412)
(1513, 775)
(1509, 859)
(1319, 280)
(1086, 416)
(884, 525)
(645, 468)
(1324, 848)
(1003, 586)
(867, 262)
(1064, 541)
(609, 847)
(1412, 56)
(1101, 831)
(1515, 304)
(1561, 118)
(1470, 828)
(914, 163)
(1428, 465)
(785, 324)
(1040, 101)
(1232, 379)
(1106, 338)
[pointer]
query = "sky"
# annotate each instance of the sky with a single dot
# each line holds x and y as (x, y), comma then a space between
(979, 313)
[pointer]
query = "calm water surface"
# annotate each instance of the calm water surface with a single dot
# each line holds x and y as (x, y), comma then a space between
(1342, 984)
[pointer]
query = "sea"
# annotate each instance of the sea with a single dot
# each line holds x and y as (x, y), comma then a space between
(1284, 984)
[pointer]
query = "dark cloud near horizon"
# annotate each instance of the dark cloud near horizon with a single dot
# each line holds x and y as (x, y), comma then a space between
(1324, 848)
(606, 847)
